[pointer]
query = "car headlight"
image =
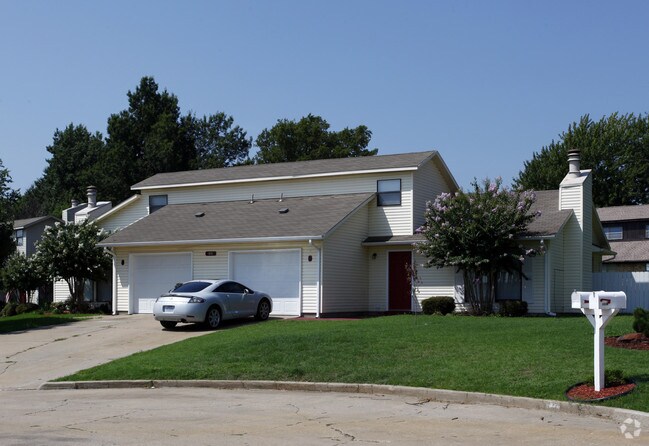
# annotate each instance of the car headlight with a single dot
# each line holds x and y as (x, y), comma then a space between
(196, 300)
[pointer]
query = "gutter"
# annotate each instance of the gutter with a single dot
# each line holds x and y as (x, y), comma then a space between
(304, 238)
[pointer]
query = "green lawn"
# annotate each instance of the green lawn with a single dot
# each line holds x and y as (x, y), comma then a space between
(28, 321)
(535, 357)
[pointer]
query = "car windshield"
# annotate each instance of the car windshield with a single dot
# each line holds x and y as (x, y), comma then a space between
(191, 287)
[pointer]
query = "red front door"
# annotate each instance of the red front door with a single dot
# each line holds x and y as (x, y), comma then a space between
(399, 288)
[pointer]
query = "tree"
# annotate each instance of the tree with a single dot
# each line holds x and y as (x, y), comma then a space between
(476, 232)
(309, 139)
(23, 273)
(73, 167)
(217, 141)
(8, 199)
(69, 252)
(616, 148)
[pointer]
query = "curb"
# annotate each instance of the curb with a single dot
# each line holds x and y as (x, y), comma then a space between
(422, 393)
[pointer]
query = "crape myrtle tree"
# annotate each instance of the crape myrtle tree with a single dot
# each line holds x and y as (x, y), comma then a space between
(476, 233)
(69, 252)
(23, 274)
(8, 199)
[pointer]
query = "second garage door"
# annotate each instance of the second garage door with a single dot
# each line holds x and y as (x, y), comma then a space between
(275, 272)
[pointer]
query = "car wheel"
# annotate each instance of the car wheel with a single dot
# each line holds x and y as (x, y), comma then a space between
(168, 324)
(263, 310)
(213, 317)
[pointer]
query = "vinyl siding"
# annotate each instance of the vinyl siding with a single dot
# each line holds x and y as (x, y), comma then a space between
(217, 267)
(428, 184)
(377, 278)
(127, 215)
(61, 291)
(587, 237)
(556, 250)
(345, 266)
(433, 281)
(534, 288)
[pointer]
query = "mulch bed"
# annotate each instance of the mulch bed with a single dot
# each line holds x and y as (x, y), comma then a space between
(587, 393)
(633, 341)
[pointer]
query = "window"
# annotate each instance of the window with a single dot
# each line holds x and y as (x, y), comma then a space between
(646, 231)
(388, 193)
(156, 202)
(509, 286)
(613, 232)
(19, 236)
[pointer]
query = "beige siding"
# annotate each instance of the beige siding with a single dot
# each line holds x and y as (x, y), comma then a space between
(345, 266)
(556, 250)
(571, 198)
(428, 184)
(433, 281)
(125, 216)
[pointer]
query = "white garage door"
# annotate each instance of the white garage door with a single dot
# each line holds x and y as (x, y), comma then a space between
(274, 272)
(153, 275)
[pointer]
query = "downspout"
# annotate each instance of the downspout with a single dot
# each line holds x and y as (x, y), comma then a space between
(319, 287)
(114, 290)
(548, 284)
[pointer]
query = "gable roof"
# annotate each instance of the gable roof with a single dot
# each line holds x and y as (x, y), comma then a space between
(624, 213)
(297, 169)
(551, 220)
(27, 222)
(241, 221)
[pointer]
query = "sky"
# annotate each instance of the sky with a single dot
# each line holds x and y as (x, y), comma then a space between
(486, 84)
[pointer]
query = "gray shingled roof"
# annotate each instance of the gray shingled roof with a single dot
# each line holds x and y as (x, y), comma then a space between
(551, 218)
(307, 217)
(622, 213)
(294, 169)
(629, 251)
(27, 222)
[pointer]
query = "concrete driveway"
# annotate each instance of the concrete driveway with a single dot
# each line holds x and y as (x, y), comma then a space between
(30, 358)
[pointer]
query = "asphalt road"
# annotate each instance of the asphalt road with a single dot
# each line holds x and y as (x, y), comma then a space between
(202, 416)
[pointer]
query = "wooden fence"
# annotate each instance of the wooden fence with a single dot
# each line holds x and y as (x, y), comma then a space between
(634, 284)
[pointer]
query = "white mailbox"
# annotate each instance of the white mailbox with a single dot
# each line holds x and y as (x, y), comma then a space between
(599, 307)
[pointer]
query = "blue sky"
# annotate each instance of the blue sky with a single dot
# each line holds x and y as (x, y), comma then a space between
(484, 83)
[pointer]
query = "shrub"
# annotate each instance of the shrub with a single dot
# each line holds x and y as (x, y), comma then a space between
(513, 308)
(26, 308)
(438, 304)
(9, 309)
(641, 321)
(2, 305)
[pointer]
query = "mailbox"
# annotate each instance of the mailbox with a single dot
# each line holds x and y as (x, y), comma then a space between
(596, 300)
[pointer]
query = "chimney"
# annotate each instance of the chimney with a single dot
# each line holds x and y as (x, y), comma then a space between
(92, 197)
(75, 203)
(573, 163)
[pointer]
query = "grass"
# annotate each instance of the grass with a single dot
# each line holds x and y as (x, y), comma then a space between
(536, 356)
(28, 321)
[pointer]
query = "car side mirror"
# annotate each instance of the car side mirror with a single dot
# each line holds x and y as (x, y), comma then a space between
(247, 291)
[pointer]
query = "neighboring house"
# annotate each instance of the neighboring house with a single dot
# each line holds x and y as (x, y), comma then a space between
(627, 230)
(26, 233)
(329, 237)
(96, 293)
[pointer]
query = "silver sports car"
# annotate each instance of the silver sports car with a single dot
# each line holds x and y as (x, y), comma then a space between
(209, 302)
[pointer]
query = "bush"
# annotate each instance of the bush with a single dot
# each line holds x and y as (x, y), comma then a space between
(2, 305)
(513, 308)
(438, 304)
(26, 308)
(9, 309)
(641, 321)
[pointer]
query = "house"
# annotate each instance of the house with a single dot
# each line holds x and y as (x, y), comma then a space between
(329, 237)
(26, 233)
(627, 230)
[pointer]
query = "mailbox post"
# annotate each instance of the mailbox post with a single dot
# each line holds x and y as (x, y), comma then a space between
(599, 307)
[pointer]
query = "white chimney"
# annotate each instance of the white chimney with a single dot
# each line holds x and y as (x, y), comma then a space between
(75, 203)
(92, 197)
(574, 159)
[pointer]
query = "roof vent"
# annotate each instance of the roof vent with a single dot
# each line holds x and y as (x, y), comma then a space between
(281, 197)
(283, 211)
(573, 162)
(199, 214)
(252, 198)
